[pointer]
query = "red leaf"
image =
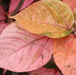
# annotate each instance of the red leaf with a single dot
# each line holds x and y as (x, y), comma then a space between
(18, 5)
(71, 3)
(22, 51)
(65, 54)
(2, 13)
(45, 71)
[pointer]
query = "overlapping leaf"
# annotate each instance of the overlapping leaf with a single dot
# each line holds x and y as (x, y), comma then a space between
(18, 5)
(71, 3)
(2, 19)
(47, 17)
(45, 71)
(22, 51)
(65, 54)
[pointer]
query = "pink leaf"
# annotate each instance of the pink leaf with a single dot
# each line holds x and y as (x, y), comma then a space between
(65, 54)
(2, 26)
(22, 51)
(45, 71)
(2, 13)
(18, 5)
(71, 3)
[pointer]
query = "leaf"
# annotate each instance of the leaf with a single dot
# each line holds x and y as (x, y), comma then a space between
(2, 13)
(65, 54)
(18, 5)
(45, 71)
(47, 17)
(3, 26)
(22, 51)
(2, 19)
(71, 3)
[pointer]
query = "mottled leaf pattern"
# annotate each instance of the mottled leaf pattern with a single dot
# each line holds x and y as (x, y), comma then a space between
(45, 71)
(65, 54)
(47, 17)
(22, 51)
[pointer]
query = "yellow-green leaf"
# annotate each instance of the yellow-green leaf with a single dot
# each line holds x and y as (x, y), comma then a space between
(51, 18)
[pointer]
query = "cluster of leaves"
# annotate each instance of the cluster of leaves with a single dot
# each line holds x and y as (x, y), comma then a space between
(38, 37)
